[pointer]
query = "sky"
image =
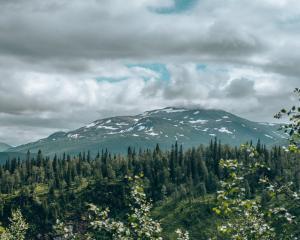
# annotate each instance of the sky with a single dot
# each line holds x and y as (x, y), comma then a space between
(64, 63)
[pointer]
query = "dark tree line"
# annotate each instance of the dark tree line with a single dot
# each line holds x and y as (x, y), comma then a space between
(163, 170)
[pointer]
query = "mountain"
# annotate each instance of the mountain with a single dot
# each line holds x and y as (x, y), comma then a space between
(189, 127)
(4, 146)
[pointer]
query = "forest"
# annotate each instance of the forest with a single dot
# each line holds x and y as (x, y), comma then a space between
(60, 188)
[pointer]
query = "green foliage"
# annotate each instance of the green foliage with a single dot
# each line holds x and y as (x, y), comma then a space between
(50, 188)
(193, 214)
(246, 218)
(65, 232)
(139, 224)
(17, 228)
(243, 217)
(293, 127)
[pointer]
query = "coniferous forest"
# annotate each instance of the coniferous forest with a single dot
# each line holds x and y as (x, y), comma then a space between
(47, 189)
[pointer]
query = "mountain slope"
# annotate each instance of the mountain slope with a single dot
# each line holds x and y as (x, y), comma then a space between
(189, 127)
(4, 146)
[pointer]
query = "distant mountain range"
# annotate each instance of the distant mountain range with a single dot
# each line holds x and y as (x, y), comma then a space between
(189, 127)
(4, 146)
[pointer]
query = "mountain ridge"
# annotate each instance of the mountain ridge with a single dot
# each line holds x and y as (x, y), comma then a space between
(4, 146)
(188, 126)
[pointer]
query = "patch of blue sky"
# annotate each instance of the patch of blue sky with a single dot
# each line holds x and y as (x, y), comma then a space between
(211, 68)
(178, 7)
(201, 67)
(161, 69)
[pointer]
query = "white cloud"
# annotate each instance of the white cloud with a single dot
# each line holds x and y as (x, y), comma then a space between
(51, 54)
(43, 103)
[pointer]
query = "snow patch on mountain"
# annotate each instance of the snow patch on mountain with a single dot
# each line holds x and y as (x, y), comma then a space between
(201, 121)
(74, 136)
(112, 133)
(93, 124)
(166, 110)
(107, 127)
(268, 136)
(267, 124)
(224, 130)
(122, 124)
(152, 133)
(140, 128)
(173, 110)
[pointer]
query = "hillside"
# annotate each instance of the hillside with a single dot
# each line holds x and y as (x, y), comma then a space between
(181, 184)
(190, 127)
(4, 146)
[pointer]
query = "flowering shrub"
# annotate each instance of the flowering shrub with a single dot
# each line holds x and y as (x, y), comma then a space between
(139, 224)
(17, 228)
(245, 218)
(293, 127)
(65, 232)
(182, 235)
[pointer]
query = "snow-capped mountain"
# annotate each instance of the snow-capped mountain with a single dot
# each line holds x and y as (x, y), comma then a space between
(189, 127)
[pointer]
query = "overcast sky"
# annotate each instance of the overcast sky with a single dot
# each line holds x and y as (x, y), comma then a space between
(66, 63)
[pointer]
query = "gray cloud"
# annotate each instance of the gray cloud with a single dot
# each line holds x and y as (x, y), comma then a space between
(52, 52)
(238, 88)
(99, 30)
